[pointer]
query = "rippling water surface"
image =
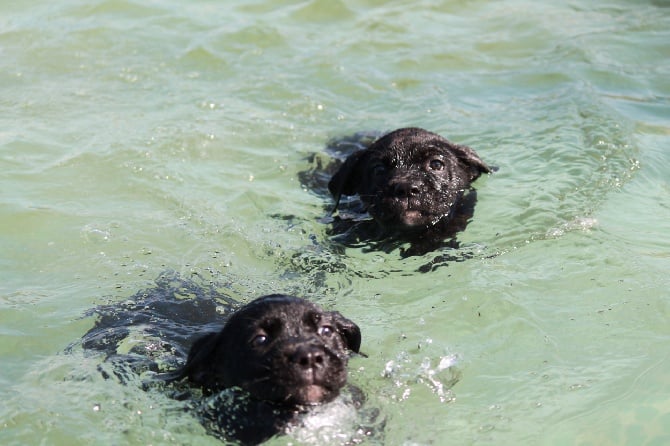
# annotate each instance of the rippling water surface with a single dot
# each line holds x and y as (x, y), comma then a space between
(140, 137)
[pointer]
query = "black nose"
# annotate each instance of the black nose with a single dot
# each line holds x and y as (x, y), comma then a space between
(405, 189)
(308, 357)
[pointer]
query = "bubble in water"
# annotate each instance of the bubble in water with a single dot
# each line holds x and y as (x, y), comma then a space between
(93, 234)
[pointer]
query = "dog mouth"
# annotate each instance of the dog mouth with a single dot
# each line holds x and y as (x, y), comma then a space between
(313, 394)
(309, 394)
(313, 387)
(295, 386)
(295, 392)
(404, 214)
(409, 216)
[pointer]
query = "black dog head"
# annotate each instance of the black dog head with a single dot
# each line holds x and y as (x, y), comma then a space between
(409, 179)
(278, 348)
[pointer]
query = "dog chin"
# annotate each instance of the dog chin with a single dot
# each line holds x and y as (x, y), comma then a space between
(413, 218)
(407, 220)
(313, 394)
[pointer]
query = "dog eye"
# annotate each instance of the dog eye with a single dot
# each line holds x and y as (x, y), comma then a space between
(436, 164)
(378, 170)
(259, 340)
(326, 330)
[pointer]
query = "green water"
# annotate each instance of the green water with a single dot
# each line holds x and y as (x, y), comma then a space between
(138, 137)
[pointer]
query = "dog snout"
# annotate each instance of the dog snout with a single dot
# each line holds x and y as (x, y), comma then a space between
(405, 188)
(308, 357)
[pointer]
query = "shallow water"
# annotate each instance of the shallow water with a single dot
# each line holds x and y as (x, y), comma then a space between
(140, 137)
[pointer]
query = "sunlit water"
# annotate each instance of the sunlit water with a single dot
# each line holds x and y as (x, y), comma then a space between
(139, 137)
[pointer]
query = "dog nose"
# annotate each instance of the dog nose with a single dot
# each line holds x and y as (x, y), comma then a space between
(405, 189)
(308, 357)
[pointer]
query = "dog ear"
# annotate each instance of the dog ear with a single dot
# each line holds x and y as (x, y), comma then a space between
(470, 159)
(348, 330)
(348, 176)
(198, 364)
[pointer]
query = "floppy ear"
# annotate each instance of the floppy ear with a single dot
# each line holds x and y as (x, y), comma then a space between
(469, 158)
(200, 355)
(347, 178)
(349, 331)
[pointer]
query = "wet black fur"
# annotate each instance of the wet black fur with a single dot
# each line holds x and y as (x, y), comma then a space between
(408, 186)
(254, 373)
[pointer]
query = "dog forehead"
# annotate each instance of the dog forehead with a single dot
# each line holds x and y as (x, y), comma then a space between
(286, 311)
(278, 301)
(408, 153)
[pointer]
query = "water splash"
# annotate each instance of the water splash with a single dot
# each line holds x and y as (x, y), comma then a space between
(438, 373)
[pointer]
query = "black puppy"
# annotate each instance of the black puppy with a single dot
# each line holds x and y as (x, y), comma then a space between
(277, 348)
(413, 183)
(277, 355)
(274, 358)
